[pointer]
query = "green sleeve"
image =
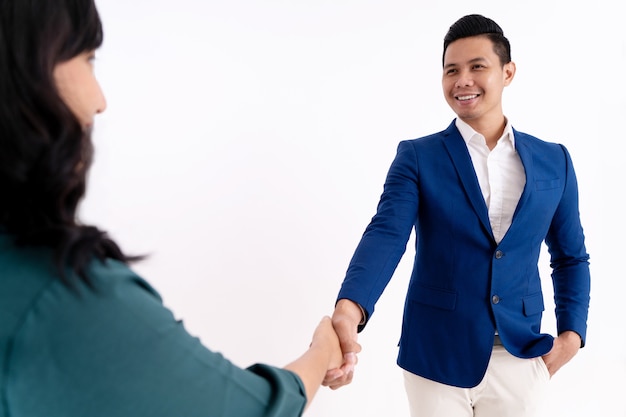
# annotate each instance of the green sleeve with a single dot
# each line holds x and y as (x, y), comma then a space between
(115, 350)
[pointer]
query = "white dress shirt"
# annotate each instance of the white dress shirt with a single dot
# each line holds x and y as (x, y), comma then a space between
(500, 174)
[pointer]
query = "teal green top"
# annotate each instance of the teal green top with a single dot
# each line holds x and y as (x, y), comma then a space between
(114, 350)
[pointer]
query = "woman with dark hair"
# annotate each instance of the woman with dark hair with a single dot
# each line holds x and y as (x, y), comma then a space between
(80, 333)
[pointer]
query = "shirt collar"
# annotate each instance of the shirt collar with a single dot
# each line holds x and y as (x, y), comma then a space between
(468, 132)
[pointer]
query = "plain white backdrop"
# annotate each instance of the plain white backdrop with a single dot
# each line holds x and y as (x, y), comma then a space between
(246, 142)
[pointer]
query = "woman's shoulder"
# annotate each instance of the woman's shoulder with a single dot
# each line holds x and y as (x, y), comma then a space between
(31, 284)
(26, 273)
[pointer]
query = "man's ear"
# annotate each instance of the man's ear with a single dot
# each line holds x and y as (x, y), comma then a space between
(509, 72)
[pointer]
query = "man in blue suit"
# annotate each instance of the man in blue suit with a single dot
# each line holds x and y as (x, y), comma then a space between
(482, 197)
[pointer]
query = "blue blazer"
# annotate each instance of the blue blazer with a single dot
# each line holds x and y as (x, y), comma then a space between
(464, 285)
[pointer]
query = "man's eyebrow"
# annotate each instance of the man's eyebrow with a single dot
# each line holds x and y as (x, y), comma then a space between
(477, 59)
(471, 61)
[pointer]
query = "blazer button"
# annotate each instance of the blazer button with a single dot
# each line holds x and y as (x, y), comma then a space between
(495, 299)
(499, 254)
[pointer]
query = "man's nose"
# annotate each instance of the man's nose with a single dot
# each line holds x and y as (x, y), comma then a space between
(465, 80)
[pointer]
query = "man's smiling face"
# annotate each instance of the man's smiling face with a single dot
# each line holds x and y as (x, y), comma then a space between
(474, 78)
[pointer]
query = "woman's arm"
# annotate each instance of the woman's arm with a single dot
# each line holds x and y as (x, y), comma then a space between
(116, 350)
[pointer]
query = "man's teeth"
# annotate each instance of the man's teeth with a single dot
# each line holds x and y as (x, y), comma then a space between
(463, 98)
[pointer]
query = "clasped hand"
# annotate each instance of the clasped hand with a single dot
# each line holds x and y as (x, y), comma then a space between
(345, 321)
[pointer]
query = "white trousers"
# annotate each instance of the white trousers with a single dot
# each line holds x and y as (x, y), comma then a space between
(512, 387)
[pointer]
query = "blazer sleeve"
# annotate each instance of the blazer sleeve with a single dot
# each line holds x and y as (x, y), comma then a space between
(115, 350)
(569, 259)
(384, 241)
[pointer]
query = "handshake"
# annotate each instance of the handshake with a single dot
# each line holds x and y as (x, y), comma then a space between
(331, 357)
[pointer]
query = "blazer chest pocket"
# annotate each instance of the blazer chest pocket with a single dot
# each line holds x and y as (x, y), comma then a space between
(434, 297)
(533, 304)
(541, 185)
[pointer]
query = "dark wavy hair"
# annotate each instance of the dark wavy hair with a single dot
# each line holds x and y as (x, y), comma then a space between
(476, 25)
(44, 151)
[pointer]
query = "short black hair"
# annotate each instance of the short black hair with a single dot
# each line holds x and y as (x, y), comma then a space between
(477, 25)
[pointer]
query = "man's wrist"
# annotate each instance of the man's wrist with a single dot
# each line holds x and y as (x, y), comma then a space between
(571, 335)
(353, 310)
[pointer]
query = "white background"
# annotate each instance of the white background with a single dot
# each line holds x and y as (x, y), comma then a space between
(246, 142)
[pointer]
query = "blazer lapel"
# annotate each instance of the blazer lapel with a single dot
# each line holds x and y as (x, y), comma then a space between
(457, 149)
(526, 156)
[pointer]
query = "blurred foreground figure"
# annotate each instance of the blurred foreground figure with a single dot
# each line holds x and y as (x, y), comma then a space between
(81, 335)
